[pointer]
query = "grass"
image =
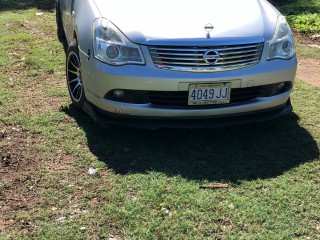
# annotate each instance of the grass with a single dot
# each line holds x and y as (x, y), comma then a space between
(272, 169)
(304, 50)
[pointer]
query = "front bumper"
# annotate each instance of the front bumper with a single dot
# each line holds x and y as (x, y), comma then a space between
(100, 78)
(103, 118)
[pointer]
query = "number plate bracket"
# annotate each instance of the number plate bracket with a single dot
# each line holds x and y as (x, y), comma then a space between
(209, 93)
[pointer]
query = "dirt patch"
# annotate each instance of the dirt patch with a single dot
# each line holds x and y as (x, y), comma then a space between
(309, 70)
(307, 40)
(17, 152)
(19, 162)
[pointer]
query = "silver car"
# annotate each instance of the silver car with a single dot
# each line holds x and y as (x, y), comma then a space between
(177, 63)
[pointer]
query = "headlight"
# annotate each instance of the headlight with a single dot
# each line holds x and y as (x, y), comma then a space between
(282, 44)
(112, 47)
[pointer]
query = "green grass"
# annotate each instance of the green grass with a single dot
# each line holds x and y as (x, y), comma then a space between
(272, 168)
(305, 51)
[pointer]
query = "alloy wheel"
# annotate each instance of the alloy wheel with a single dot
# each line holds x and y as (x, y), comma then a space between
(74, 77)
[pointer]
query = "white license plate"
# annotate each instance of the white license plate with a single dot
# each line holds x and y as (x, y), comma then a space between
(209, 93)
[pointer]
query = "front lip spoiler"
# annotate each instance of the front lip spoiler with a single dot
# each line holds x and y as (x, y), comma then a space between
(104, 118)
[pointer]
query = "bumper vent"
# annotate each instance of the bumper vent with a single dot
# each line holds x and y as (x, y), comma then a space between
(206, 59)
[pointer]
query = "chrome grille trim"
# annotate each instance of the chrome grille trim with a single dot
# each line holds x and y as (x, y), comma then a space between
(191, 59)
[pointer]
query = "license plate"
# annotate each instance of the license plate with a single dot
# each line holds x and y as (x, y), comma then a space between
(209, 93)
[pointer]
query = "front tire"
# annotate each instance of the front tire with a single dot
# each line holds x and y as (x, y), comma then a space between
(73, 74)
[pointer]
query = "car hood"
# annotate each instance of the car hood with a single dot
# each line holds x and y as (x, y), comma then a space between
(176, 22)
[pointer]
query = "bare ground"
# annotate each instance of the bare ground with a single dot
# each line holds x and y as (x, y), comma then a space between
(19, 161)
(309, 71)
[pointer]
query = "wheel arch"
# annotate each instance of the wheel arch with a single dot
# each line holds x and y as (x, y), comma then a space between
(83, 25)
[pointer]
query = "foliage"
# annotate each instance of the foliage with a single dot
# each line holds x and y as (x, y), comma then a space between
(306, 23)
(303, 15)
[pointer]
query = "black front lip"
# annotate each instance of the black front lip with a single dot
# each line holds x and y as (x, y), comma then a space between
(105, 118)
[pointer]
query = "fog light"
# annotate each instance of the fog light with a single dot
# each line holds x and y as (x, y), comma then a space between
(281, 86)
(118, 93)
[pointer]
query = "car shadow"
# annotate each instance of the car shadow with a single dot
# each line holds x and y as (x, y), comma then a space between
(46, 5)
(256, 151)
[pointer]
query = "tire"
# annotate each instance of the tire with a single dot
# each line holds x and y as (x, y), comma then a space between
(60, 31)
(73, 75)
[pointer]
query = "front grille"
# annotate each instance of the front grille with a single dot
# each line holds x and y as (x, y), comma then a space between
(180, 98)
(193, 58)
